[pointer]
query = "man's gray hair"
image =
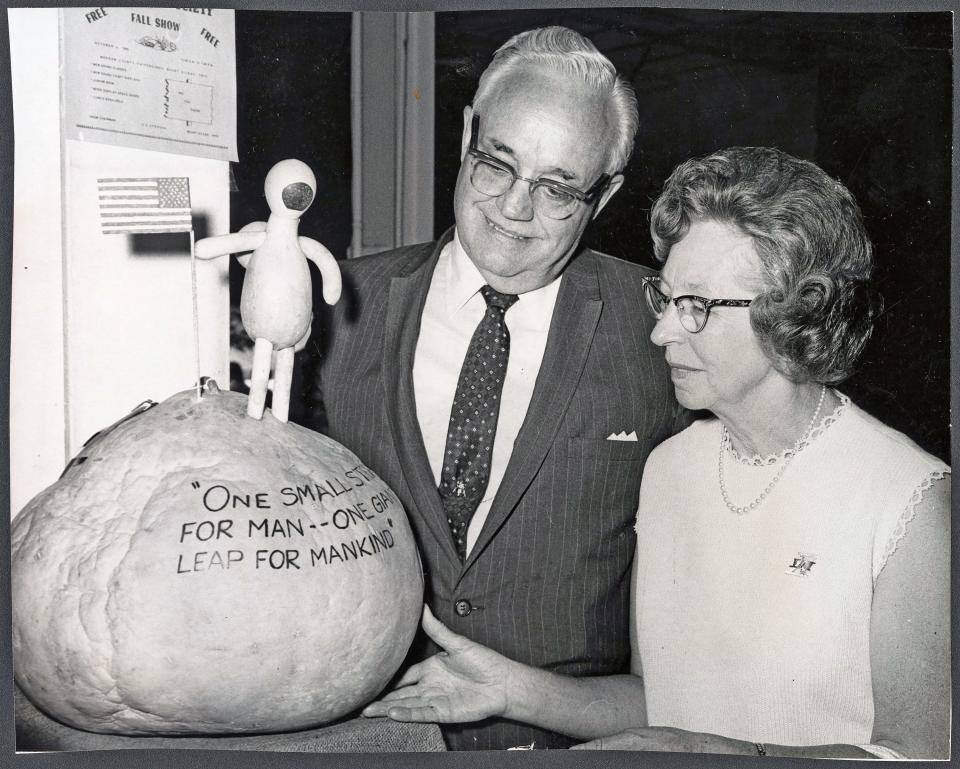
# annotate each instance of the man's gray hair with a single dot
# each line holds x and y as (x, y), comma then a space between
(572, 54)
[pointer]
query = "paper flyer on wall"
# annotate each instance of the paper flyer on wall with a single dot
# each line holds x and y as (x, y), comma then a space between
(161, 79)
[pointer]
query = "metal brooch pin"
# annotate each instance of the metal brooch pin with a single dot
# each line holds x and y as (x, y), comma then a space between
(802, 565)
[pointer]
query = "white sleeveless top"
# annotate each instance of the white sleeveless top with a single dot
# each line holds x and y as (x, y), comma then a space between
(757, 626)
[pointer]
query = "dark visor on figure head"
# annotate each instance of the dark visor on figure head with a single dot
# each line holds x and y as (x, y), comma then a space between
(297, 196)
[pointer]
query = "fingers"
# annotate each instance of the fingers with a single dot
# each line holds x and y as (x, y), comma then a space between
(414, 712)
(389, 700)
(403, 690)
(440, 634)
(410, 676)
(379, 708)
(395, 695)
(404, 705)
(375, 710)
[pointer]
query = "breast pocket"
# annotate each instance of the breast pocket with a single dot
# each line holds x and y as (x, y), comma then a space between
(606, 474)
(603, 449)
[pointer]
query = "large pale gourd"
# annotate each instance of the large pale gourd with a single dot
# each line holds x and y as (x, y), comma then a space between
(202, 572)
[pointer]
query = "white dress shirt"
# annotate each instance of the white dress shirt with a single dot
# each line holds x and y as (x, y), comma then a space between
(453, 309)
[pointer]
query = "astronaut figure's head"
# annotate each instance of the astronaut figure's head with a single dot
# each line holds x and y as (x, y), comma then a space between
(290, 188)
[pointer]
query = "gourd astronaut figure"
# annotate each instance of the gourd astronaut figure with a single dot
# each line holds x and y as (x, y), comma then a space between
(276, 303)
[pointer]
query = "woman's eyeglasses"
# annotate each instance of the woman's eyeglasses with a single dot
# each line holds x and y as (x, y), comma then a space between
(491, 176)
(692, 310)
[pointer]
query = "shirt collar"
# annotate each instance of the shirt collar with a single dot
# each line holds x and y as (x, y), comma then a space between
(463, 281)
(463, 278)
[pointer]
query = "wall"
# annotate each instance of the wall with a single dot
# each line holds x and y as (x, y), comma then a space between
(100, 322)
(37, 372)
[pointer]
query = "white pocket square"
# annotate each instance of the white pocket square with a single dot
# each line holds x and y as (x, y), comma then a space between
(622, 436)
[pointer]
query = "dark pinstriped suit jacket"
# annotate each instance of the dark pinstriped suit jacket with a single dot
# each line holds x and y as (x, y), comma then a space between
(548, 579)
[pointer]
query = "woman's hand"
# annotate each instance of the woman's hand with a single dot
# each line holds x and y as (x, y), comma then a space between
(668, 739)
(463, 682)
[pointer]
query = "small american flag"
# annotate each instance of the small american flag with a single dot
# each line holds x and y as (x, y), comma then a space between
(160, 204)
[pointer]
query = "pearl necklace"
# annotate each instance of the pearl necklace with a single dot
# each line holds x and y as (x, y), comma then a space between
(725, 443)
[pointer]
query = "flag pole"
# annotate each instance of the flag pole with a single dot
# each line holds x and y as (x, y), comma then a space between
(196, 313)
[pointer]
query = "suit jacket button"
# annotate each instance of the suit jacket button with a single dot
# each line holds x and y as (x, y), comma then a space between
(462, 607)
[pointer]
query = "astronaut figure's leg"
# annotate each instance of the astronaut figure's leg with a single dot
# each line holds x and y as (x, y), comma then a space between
(282, 379)
(259, 376)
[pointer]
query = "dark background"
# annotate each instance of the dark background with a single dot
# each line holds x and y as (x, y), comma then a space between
(293, 101)
(866, 96)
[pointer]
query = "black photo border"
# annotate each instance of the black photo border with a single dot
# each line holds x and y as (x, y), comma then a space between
(217, 759)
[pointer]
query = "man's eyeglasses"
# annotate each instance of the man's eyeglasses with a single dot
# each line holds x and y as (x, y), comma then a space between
(491, 176)
(693, 310)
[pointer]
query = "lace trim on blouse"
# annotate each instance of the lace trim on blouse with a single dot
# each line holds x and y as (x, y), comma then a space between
(756, 460)
(908, 514)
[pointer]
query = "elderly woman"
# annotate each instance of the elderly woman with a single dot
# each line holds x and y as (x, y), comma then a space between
(791, 582)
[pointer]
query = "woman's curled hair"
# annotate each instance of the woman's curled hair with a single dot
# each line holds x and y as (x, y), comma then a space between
(816, 307)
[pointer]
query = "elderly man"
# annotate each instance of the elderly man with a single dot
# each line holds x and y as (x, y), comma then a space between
(502, 381)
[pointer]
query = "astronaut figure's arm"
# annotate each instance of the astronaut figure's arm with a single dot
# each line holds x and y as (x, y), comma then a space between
(327, 264)
(247, 239)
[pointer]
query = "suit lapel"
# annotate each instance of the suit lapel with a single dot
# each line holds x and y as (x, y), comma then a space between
(408, 292)
(574, 323)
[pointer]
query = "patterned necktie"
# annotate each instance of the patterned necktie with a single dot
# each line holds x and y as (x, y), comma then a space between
(473, 418)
